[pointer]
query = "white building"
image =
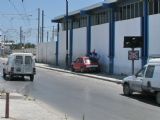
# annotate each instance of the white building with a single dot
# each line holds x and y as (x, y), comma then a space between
(103, 26)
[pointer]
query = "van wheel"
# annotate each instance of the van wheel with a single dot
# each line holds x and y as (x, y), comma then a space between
(158, 98)
(10, 77)
(31, 77)
(126, 90)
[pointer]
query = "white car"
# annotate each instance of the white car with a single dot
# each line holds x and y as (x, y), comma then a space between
(20, 64)
(146, 80)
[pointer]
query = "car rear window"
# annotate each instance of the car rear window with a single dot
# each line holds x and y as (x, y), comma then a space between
(19, 60)
(28, 60)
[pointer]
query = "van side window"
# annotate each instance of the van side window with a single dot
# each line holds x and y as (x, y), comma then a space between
(150, 71)
(19, 60)
(140, 73)
(28, 60)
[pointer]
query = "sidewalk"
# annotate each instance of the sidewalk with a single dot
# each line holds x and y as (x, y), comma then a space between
(101, 76)
(26, 108)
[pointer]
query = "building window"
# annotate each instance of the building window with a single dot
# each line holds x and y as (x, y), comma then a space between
(136, 10)
(83, 21)
(128, 11)
(156, 6)
(141, 9)
(159, 6)
(151, 7)
(132, 11)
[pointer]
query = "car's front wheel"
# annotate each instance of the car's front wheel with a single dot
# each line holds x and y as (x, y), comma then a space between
(158, 98)
(126, 90)
(4, 74)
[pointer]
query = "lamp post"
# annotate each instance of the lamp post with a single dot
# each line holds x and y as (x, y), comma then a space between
(67, 34)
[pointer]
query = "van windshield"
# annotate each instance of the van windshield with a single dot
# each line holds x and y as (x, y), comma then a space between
(19, 60)
(28, 60)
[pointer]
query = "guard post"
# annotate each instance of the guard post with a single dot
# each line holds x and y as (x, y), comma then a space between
(7, 106)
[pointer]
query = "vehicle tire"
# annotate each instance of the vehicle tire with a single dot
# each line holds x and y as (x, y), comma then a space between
(31, 77)
(4, 74)
(72, 69)
(158, 98)
(126, 90)
(10, 77)
(82, 70)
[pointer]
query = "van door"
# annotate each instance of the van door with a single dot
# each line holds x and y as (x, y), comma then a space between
(28, 66)
(137, 82)
(18, 66)
(147, 82)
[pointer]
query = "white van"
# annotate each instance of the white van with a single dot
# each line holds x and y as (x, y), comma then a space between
(20, 64)
(146, 80)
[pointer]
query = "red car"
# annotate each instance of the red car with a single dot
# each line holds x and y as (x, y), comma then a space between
(85, 64)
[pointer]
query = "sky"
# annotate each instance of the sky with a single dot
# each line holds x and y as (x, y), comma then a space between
(15, 14)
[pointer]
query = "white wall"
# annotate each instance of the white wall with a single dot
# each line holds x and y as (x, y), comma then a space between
(62, 47)
(154, 34)
(123, 28)
(46, 52)
(100, 42)
(79, 42)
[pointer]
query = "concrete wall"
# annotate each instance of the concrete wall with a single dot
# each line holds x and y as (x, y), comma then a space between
(123, 28)
(46, 52)
(62, 47)
(154, 34)
(79, 42)
(100, 42)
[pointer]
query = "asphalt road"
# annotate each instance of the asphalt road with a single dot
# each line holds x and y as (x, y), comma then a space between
(96, 100)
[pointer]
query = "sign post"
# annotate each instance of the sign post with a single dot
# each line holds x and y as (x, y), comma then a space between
(133, 42)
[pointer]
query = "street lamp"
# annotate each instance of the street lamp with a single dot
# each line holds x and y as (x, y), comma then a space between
(67, 34)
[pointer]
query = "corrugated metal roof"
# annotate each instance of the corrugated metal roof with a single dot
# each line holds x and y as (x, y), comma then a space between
(85, 9)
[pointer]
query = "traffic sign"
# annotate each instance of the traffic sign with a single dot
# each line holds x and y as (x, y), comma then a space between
(133, 55)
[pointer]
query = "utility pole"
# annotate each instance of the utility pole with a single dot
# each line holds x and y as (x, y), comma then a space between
(53, 34)
(47, 35)
(38, 25)
(20, 36)
(42, 25)
(67, 34)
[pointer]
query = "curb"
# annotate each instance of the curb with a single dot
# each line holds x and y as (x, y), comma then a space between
(86, 75)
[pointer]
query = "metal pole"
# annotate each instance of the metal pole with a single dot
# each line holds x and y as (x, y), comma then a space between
(42, 25)
(67, 33)
(132, 63)
(7, 106)
(53, 34)
(47, 35)
(38, 24)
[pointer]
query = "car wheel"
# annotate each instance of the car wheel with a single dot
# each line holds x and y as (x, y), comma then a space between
(82, 69)
(72, 69)
(4, 74)
(31, 77)
(158, 98)
(126, 90)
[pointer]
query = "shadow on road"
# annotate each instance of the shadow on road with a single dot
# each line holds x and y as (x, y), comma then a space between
(17, 79)
(145, 98)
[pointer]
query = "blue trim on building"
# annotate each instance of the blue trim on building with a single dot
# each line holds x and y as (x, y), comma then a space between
(71, 42)
(88, 34)
(57, 43)
(111, 41)
(145, 33)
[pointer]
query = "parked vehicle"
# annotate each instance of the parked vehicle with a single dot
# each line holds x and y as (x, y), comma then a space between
(146, 80)
(20, 64)
(85, 64)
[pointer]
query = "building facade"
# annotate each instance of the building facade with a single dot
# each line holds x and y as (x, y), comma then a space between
(103, 27)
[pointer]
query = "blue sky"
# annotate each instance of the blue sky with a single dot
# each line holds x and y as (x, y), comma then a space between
(14, 13)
